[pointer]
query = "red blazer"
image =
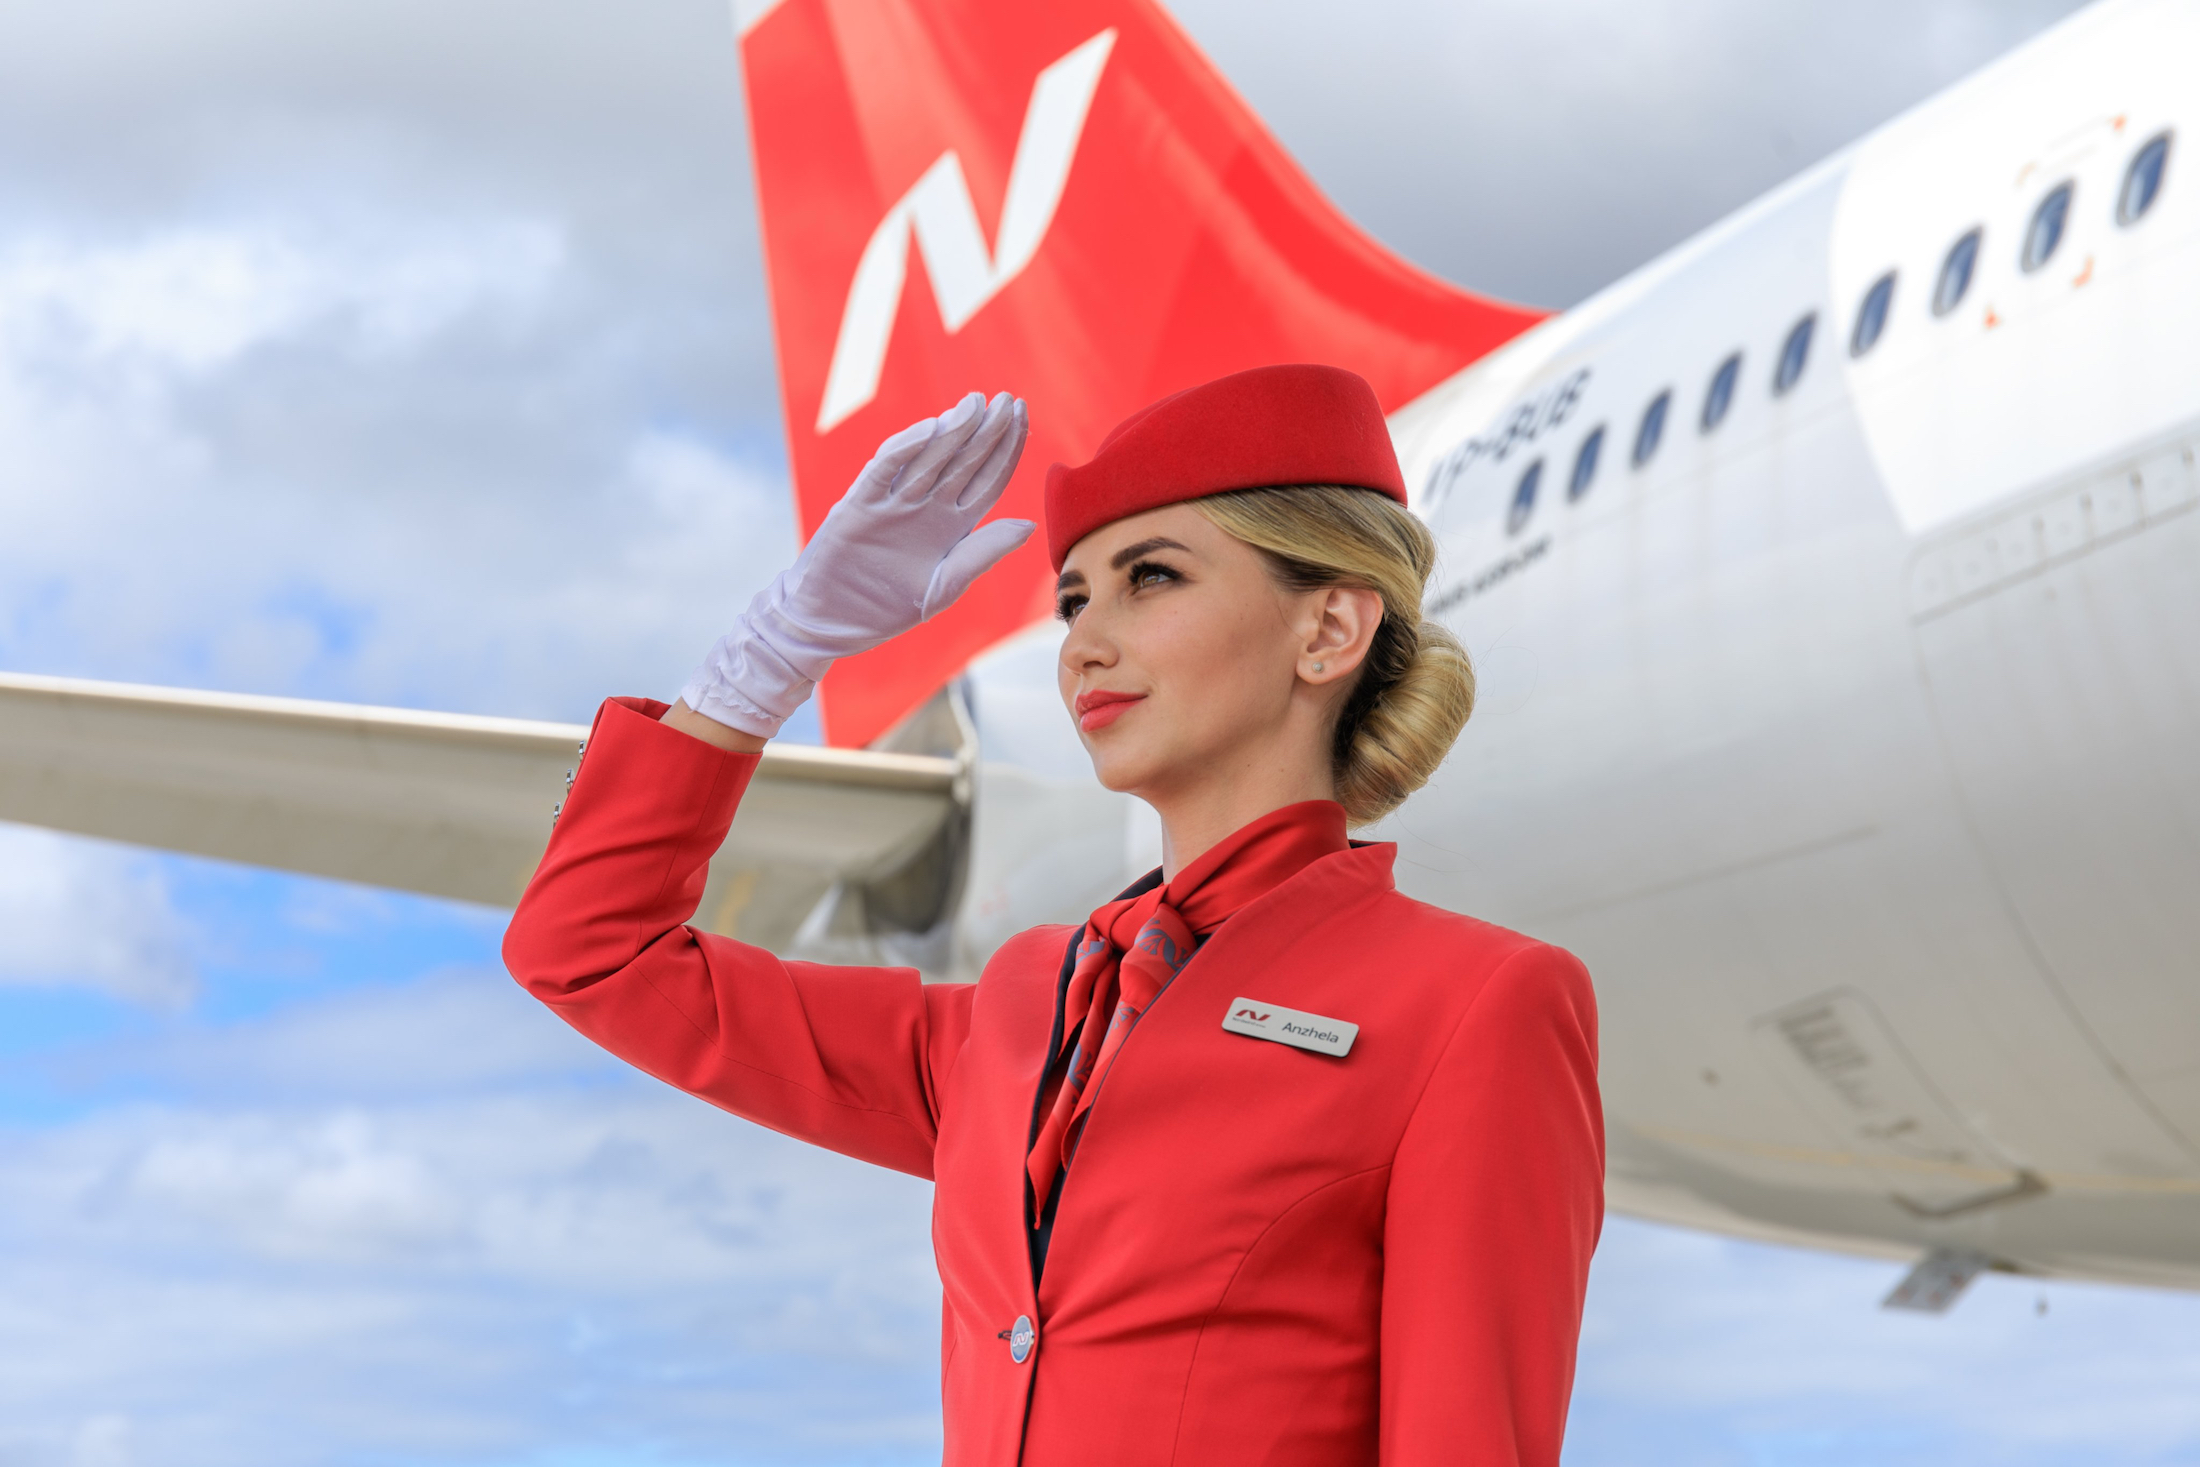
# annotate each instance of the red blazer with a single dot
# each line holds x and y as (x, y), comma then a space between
(1262, 1255)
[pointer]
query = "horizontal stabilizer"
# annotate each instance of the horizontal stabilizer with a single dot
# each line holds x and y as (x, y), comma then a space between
(442, 803)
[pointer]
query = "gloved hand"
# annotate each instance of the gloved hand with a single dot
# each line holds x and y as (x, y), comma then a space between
(897, 550)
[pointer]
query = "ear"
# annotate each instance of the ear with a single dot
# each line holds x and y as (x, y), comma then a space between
(1339, 632)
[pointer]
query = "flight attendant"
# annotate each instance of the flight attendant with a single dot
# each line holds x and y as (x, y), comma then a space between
(1266, 1163)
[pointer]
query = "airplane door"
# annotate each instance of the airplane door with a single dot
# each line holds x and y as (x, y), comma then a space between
(2060, 644)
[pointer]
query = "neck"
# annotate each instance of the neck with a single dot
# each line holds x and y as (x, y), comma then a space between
(1198, 816)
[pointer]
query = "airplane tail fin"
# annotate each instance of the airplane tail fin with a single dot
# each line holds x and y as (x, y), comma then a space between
(1065, 201)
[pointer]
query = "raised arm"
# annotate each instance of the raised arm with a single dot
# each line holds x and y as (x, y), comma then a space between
(843, 1057)
(846, 1057)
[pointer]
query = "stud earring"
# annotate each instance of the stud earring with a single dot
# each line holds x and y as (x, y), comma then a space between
(1317, 667)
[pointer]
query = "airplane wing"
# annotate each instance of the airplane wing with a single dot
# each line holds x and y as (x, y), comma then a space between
(447, 804)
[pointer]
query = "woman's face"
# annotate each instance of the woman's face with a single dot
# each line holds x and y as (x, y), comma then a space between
(1186, 661)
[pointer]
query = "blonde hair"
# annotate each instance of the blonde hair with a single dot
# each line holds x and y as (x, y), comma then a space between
(1416, 689)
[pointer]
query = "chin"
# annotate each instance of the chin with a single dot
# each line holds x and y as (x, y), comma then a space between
(1110, 771)
(1122, 767)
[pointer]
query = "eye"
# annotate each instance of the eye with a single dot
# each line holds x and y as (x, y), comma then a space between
(1146, 573)
(1067, 607)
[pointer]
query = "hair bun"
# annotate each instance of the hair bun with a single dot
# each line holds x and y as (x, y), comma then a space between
(1407, 727)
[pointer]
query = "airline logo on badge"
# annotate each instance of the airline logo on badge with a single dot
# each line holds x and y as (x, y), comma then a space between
(1257, 1020)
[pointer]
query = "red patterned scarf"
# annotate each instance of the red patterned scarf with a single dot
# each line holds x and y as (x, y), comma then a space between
(1132, 948)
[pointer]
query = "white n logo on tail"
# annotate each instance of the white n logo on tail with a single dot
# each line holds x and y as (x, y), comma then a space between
(938, 208)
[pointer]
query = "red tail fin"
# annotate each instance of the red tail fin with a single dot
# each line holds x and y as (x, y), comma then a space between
(1096, 219)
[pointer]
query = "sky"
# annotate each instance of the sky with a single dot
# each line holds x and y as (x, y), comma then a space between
(417, 353)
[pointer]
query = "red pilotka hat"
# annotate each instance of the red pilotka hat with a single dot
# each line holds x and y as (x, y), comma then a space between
(1252, 430)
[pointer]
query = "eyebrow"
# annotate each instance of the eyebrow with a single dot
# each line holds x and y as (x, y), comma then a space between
(1122, 558)
(1130, 553)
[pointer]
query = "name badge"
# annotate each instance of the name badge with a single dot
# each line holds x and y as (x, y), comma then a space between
(1289, 1026)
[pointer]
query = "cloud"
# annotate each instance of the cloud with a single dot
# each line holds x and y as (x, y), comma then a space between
(193, 300)
(203, 389)
(453, 1032)
(500, 1262)
(332, 362)
(102, 1441)
(85, 913)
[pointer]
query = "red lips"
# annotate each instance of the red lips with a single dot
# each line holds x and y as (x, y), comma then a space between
(1097, 709)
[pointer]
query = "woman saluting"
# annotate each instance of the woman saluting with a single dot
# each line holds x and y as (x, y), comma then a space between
(1265, 1164)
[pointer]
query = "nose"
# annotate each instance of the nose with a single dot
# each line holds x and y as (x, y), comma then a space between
(1087, 645)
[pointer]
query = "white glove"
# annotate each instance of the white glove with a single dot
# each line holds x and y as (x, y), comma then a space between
(897, 550)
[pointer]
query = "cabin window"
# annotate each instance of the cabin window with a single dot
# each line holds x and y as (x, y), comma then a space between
(2142, 180)
(2045, 234)
(1523, 505)
(1653, 427)
(1955, 273)
(1871, 316)
(1585, 464)
(1720, 396)
(1794, 354)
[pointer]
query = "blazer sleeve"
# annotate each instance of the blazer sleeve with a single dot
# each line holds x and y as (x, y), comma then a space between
(1496, 1199)
(847, 1057)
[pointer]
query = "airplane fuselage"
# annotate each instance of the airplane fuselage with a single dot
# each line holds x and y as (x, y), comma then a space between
(1846, 730)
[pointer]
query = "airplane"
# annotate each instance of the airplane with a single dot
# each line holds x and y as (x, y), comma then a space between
(1833, 581)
